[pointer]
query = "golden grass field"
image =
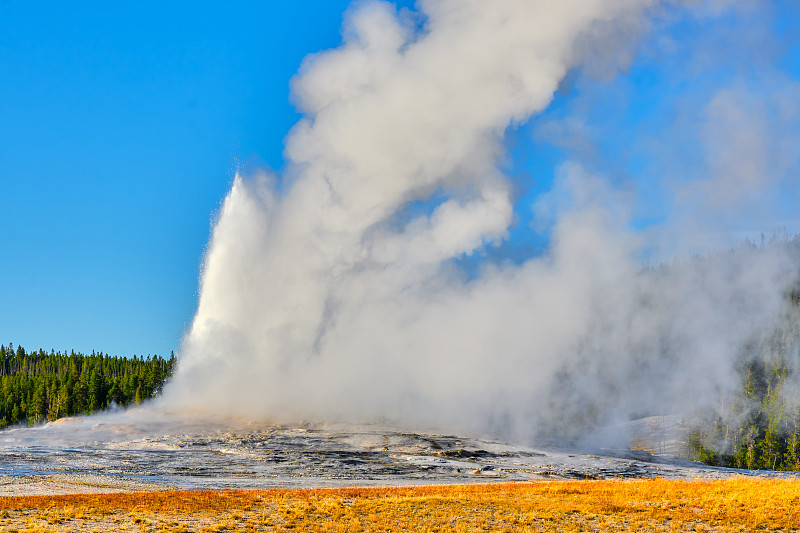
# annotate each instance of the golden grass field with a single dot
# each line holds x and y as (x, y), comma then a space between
(737, 504)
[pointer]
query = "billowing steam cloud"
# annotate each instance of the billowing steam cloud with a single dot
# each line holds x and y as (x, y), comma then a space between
(333, 292)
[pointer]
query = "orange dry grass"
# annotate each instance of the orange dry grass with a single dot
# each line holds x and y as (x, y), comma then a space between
(650, 505)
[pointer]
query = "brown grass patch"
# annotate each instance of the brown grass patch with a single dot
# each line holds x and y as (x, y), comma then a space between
(644, 505)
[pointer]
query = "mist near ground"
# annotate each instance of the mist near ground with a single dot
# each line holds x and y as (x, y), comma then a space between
(338, 290)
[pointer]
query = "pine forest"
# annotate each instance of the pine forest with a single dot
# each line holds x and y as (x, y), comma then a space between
(37, 387)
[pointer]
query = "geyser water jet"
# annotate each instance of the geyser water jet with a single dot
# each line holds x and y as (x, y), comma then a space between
(334, 296)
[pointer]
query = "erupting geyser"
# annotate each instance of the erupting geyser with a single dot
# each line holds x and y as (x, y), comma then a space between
(333, 291)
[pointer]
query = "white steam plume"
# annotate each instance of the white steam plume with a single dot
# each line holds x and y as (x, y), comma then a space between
(328, 297)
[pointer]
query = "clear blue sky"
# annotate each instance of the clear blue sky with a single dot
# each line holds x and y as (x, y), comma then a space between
(122, 124)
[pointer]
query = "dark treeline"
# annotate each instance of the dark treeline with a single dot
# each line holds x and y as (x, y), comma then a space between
(39, 386)
(759, 428)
